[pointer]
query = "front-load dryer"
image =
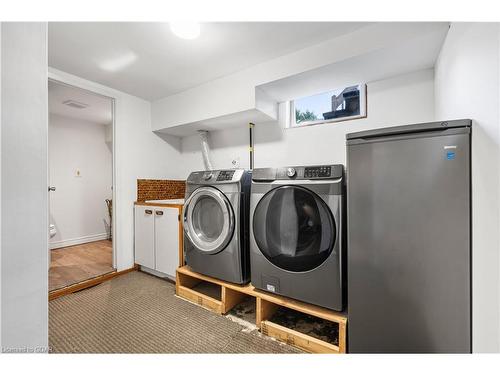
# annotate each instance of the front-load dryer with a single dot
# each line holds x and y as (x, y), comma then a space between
(297, 233)
(216, 224)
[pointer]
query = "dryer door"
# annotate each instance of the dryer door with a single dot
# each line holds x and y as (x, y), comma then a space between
(294, 228)
(208, 219)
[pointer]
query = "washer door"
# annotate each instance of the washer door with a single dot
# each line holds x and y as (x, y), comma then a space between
(294, 228)
(208, 220)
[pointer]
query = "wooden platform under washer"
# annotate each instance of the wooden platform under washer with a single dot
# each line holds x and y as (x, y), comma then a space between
(229, 295)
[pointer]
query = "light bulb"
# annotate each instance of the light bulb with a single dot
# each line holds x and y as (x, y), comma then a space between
(185, 30)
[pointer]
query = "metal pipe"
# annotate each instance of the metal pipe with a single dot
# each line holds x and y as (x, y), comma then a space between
(205, 149)
(251, 149)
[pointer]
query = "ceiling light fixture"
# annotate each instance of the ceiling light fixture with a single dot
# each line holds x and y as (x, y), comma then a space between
(185, 30)
(75, 104)
(117, 63)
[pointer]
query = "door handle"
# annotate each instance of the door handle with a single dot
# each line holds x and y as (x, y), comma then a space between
(159, 213)
(52, 188)
(148, 212)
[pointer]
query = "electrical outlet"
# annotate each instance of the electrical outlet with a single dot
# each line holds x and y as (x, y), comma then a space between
(235, 163)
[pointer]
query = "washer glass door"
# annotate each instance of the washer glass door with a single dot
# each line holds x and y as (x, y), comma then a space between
(294, 228)
(208, 219)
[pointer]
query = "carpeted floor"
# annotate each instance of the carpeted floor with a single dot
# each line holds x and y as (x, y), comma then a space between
(139, 313)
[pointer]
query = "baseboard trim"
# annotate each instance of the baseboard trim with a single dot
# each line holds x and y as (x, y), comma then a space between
(78, 241)
(88, 283)
(159, 274)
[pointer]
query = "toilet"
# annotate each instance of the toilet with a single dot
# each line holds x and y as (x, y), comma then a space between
(52, 233)
(52, 230)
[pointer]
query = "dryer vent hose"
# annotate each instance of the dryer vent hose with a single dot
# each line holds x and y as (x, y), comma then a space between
(205, 149)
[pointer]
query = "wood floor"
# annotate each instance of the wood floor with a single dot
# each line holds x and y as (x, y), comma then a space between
(70, 265)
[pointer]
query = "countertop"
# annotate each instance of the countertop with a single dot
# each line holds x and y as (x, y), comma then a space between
(167, 201)
(164, 202)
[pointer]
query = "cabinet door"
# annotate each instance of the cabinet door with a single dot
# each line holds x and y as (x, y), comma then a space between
(144, 236)
(167, 240)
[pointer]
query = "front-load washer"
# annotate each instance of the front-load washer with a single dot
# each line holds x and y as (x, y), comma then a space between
(216, 224)
(297, 235)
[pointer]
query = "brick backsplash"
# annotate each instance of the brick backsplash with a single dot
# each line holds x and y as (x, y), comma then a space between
(160, 189)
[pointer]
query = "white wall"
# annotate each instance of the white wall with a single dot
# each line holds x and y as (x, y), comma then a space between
(399, 100)
(139, 153)
(77, 207)
(24, 197)
(467, 86)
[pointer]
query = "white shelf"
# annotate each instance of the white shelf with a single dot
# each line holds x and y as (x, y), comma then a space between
(232, 120)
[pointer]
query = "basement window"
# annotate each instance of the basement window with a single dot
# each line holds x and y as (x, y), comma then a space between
(346, 103)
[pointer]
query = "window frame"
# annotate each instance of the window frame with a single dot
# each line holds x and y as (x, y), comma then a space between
(363, 109)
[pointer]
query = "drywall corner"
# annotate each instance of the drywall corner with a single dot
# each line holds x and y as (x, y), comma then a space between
(467, 85)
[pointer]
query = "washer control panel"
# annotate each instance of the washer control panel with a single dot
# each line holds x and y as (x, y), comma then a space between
(207, 175)
(225, 175)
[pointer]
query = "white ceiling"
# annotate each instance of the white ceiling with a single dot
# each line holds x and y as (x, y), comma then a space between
(99, 108)
(147, 60)
(416, 53)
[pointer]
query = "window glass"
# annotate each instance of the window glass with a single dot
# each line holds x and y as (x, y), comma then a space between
(333, 105)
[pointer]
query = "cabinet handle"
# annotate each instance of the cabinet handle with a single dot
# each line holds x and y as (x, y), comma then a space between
(148, 212)
(159, 213)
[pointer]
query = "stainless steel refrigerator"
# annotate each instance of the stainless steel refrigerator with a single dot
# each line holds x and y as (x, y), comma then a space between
(409, 239)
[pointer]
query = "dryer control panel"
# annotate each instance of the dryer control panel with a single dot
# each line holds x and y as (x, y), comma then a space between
(319, 172)
(313, 172)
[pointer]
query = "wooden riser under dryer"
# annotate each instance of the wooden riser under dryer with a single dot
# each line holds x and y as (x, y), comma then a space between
(228, 295)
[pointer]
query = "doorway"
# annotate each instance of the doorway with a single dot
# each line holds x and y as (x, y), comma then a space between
(81, 179)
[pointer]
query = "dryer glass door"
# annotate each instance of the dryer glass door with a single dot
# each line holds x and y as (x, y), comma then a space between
(208, 220)
(294, 228)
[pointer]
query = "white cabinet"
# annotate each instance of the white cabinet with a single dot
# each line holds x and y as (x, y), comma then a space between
(145, 236)
(157, 238)
(167, 240)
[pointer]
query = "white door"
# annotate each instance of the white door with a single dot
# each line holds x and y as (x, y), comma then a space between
(167, 239)
(144, 236)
